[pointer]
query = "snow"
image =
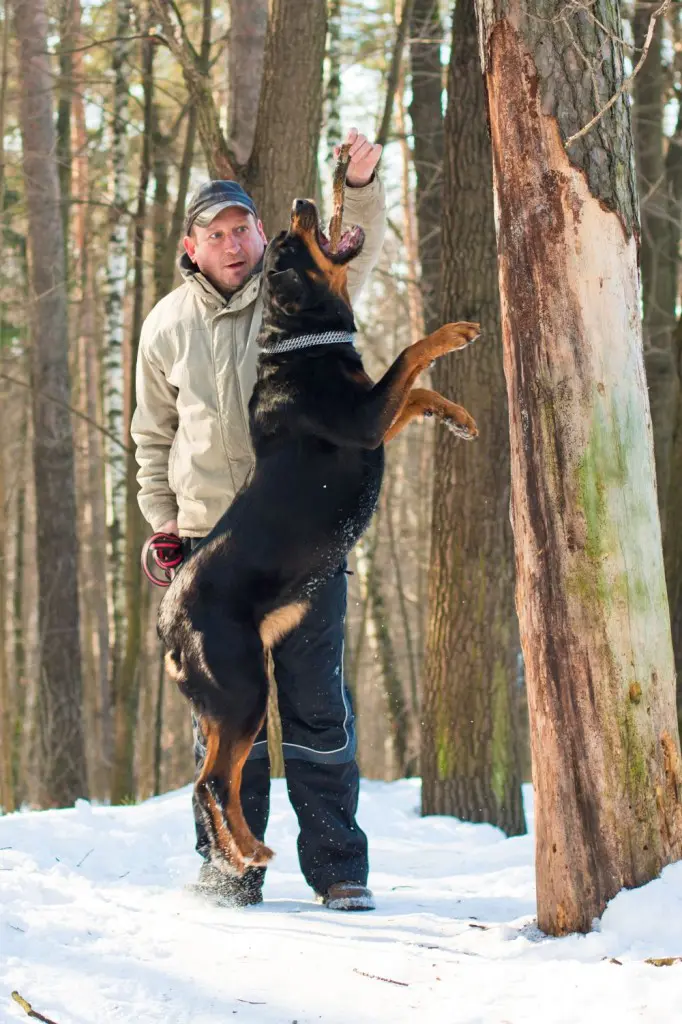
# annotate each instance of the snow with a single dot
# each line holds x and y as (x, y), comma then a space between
(95, 926)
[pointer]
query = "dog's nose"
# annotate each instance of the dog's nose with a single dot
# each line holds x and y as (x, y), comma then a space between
(299, 205)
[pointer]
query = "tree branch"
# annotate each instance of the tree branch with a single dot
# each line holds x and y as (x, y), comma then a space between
(627, 84)
(155, 37)
(394, 73)
(65, 405)
(27, 1008)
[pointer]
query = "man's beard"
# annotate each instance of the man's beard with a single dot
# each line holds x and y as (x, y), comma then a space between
(227, 293)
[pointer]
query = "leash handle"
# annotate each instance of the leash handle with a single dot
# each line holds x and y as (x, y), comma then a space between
(163, 551)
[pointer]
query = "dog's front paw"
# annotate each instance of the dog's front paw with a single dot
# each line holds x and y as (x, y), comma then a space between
(454, 336)
(260, 856)
(461, 426)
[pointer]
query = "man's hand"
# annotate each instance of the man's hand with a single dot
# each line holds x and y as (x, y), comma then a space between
(170, 527)
(364, 156)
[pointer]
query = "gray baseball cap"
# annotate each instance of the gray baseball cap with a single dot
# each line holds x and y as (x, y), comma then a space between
(212, 197)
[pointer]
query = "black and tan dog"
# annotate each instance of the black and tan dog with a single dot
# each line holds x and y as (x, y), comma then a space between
(318, 425)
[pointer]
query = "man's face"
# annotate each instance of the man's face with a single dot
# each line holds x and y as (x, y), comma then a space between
(228, 249)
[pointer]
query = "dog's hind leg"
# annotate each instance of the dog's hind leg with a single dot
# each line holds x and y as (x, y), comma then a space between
(233, 845)
(223, 675)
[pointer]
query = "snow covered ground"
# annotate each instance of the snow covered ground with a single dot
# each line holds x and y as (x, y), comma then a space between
(95, 928)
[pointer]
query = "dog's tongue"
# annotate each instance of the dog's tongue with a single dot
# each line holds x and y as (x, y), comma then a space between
(349, 239)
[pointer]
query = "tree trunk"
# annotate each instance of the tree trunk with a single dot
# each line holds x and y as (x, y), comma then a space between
(427, 126)
(414, 296)
(114, 374)
(128, 682)
(591, 591)
(471, 764)
(221, 162)
(19, 638)
(283, 163)
(658, 257)
(168, 258)
(60, 749)
(379, 633)
(333, 88)
(672, 540)
(6, 704)
(403, 17)
(66, 90)
(248, 25)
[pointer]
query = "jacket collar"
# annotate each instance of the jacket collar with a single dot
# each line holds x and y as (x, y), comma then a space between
(209, 294)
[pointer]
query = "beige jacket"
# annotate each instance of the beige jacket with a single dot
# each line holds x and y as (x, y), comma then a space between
(196, 370)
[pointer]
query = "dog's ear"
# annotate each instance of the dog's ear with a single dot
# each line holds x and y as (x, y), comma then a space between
(288, 289)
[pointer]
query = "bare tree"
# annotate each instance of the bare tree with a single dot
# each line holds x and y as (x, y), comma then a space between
(427, 126)
(282, 163)
(245, 53)
(659, 257)
(131, 667)
(60, 756)
(114, 373)
(591, 591)
(471, 763)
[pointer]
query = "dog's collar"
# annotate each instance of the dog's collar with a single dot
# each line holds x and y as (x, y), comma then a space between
(308, 340)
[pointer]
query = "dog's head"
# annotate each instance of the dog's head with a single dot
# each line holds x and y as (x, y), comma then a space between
(306, 287)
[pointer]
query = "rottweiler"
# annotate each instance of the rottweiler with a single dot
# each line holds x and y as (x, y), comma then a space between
(318, 425)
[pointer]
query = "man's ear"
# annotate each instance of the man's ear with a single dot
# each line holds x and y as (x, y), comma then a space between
(190, 247)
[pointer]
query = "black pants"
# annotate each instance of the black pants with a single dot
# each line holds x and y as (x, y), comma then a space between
(319, 744)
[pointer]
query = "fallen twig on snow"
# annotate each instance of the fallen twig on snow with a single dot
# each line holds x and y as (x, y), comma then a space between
(27, 1008)
(663, 961)
(377, 977)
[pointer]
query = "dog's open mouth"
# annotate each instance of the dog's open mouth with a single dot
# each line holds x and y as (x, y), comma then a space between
(350, 243)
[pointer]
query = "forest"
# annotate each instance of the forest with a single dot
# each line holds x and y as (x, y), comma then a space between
(515, 610)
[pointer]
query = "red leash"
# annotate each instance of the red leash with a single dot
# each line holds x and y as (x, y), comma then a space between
(162, 551)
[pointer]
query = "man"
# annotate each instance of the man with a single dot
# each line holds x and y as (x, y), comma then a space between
(195, 374)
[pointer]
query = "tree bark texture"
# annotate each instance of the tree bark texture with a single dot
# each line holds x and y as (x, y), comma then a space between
(245, 52)
(128, 684)
(284, 157)
(403, 18)
(426, 113)
(220, 161)
(591, 595)
(659, 258)
(114, 387)
(471, 761)
(672, 538)
(379, 635)
(169, 249)
(59, 755)
(333, 87)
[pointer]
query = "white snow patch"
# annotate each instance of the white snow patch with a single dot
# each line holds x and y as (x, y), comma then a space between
(95, 926)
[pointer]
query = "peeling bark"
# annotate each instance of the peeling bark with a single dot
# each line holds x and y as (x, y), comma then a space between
(591, 591)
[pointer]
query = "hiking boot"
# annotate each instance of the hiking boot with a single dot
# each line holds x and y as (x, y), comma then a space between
(229, 890)
(347, 896)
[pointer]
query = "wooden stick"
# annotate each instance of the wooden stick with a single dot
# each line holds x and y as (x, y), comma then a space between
(377, 977)
(338, 184)
(29, 1009)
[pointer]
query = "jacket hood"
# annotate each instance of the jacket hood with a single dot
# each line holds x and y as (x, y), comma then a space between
(208, 292)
